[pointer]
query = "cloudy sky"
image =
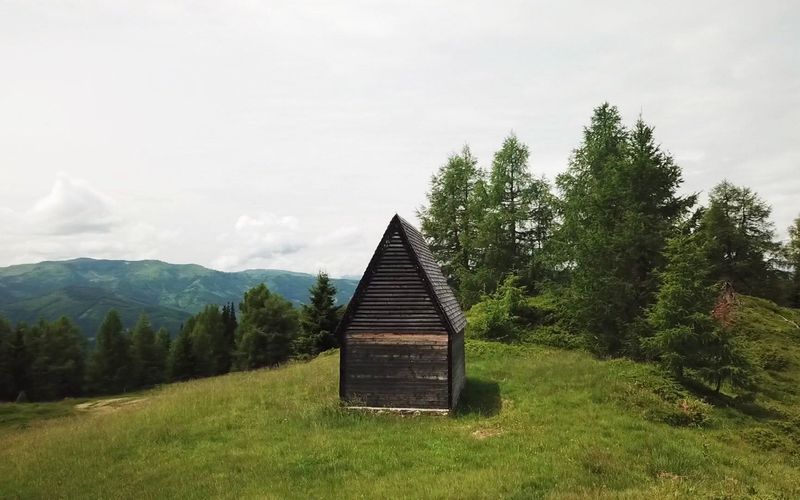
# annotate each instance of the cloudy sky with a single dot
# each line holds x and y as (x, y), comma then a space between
(244, 134)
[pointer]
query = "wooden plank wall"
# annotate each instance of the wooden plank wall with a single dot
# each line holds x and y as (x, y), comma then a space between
(395, 346)
(458, 375)
(396, 370)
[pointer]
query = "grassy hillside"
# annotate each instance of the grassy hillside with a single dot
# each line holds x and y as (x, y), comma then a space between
(85, 289)
(535, 422)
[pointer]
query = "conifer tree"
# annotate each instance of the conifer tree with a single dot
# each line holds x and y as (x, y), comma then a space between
(268, 328)
(688, 339)
(111, 366)
(8, 385)
(619, 205)
(57, 360)
(793, 258)
(740, 240)
(451, 218)
(181, 357)
(519, 218)
(162, 346)
(148, 368)
(318, 318)
(230, 325)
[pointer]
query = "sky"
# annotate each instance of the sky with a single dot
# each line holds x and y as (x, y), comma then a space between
(245, 134)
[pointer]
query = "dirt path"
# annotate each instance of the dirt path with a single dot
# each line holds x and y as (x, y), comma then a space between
(108, 405)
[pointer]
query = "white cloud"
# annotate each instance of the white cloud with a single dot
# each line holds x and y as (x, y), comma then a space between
(72, 207)
(75, 220)
(188, 115)
(267, 240)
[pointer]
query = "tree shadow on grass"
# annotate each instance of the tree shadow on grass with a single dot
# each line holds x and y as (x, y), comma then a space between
(479, 397)
(744, 404)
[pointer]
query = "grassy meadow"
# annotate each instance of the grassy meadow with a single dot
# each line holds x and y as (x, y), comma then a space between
(534, 422)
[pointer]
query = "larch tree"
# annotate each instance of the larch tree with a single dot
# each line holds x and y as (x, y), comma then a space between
(741, 239)
(451, 217)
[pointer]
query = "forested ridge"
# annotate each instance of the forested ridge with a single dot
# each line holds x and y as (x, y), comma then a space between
(50, 360)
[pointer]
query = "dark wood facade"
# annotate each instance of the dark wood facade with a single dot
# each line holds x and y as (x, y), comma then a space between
(402, 335)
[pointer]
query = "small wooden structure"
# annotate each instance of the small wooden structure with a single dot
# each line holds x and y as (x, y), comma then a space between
(402, 336)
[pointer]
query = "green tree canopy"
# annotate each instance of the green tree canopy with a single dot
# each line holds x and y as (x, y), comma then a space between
(740, 239)
(111, 367)
(451, 218)
(268, 328)
(619, 206)
(318, 318)
(148, 367)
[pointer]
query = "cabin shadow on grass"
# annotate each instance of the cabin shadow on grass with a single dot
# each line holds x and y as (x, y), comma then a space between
(479, 397)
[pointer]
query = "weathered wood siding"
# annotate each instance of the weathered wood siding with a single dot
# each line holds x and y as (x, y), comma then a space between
(396, 342)
(397, 349)
(396, 299)
(457, 375)
(398, 370)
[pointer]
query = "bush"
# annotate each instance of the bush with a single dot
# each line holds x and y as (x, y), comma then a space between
(691, 412)
(555, 336)
(501, 315)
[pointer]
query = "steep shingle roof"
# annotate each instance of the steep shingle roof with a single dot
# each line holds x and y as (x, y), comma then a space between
(438, 289)
(444, 294)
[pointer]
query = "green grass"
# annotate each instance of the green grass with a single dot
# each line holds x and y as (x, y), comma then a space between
(535, 422)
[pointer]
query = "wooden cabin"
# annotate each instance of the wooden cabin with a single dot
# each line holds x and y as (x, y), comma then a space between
(402, 336)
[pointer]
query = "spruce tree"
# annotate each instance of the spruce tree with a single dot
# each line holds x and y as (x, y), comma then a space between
(57, 360)
(619, 205)
(110, 366)
(268, 328)
(688, 339)
(318, 318)
(8, 385)
(181, 357)
(162, 346)
(147, 367)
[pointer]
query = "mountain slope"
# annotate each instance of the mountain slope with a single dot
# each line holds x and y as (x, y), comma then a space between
(84, 290)
(534, 422)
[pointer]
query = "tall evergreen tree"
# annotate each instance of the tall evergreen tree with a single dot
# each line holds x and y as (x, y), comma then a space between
(619, 204)
(230, 326)
(162, 346)
(148, 369)
(111, 366)
(57, 360)
(509, 206)
(454, 210)
(180, 364)
(318, 318)
(210, 347)
(268, 328)
(793, 258)
(740, 240)
(688, 339)
(8, 383)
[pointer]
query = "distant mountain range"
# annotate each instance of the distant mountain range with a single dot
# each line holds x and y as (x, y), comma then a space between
(85, 289)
